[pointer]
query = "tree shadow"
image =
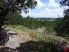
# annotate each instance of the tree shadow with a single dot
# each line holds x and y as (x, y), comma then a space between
(7, 49)
(40, 46)
(4, 37)
(34, 46)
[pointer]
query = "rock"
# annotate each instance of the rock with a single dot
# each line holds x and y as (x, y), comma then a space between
(12, 33)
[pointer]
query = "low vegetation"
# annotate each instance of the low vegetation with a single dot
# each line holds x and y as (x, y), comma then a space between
(38, 42)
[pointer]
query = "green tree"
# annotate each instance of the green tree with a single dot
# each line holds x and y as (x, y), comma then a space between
(7, 6)
(14, 19)
(62, 26)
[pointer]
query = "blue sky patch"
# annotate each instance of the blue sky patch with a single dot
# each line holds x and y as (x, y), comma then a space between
(46, 8)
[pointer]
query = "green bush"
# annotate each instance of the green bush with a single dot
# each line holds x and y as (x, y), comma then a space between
(62, 27)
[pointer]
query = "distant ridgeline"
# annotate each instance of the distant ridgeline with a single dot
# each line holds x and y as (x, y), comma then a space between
(48, 19)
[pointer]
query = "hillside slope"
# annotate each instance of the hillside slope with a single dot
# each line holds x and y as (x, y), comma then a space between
(30, 40)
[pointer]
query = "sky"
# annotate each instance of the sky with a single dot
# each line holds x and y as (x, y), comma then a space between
(46, 9)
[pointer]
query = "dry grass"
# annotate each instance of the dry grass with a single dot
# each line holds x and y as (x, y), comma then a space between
(27, 34)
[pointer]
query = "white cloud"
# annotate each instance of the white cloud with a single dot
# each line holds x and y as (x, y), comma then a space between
(58, 12)
(40, 4)
(47, 12)
(53, 3)
(32, 14)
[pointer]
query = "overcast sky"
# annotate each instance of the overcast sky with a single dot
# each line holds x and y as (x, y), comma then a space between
(46, 8)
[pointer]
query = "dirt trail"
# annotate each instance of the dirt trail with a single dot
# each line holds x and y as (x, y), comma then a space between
(13, 41)
(15, 38)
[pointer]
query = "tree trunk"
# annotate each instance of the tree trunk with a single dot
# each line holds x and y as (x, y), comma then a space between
(3, 33)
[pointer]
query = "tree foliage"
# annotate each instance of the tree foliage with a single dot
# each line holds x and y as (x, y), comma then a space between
(15, 6)
(62, 26)
(7, 6)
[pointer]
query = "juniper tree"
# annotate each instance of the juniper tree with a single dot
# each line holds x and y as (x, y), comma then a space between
(7, 6)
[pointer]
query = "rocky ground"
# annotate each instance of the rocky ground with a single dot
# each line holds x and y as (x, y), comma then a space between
(16, 37)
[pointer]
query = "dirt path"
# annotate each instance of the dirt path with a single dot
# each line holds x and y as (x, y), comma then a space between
(16, 42)
(13, 41)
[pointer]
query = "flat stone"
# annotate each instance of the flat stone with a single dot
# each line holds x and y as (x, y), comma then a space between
(12, 33)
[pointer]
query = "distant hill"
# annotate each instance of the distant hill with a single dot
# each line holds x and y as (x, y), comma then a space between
(48, 19)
